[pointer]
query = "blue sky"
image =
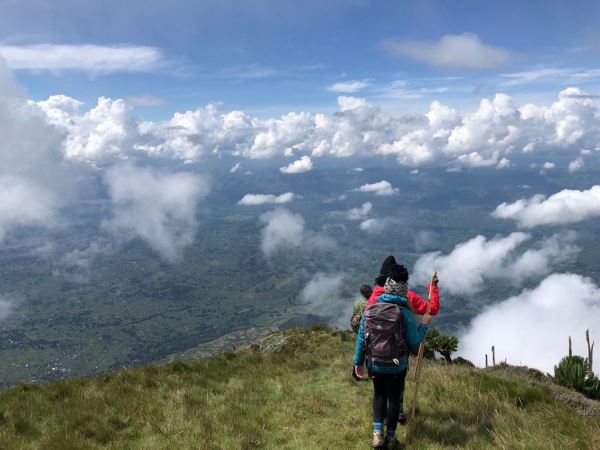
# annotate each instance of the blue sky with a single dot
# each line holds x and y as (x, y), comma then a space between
(271, 57)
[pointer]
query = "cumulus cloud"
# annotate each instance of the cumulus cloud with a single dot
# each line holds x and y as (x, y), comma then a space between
(498, 133)
(540, 321)
(261, 199)
(346, 103)
(158, 207)
(360, 212)
(285, 229)
(457, 51)
(348, 87)
(382, 188)
(577, 164)
(107, 130)
(472, 262)
(322, 296)
(304, 164)
(94, 59)
(566, 206)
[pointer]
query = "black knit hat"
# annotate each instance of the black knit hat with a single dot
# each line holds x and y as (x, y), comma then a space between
(398, 273)
(384, 271)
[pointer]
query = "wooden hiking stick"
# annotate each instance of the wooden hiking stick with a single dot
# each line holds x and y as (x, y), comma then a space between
(413, 408)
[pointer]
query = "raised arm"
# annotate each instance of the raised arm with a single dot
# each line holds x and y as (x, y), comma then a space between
(419, 305)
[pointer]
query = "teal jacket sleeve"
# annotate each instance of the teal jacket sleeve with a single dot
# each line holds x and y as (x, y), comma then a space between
(414, 334)
(359, 356)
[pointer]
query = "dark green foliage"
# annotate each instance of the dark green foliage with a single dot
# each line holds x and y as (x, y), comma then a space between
(536, 374)
(463, 361)
(573, 372)
(443, 344)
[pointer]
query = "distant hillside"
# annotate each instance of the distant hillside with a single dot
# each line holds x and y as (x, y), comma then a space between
(290, 390)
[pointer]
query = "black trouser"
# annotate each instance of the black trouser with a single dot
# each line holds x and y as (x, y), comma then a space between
(387, 397)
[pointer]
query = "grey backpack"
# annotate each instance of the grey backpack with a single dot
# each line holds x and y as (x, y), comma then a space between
(385, 340)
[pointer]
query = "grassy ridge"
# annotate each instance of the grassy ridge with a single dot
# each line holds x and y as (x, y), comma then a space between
(290, 391)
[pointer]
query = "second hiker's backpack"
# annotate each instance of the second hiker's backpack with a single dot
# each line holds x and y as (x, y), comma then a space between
(385, 340)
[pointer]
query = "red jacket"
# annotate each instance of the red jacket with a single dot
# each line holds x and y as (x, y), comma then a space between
(419, 306)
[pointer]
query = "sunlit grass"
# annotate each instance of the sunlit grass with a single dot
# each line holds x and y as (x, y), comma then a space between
(298, 396)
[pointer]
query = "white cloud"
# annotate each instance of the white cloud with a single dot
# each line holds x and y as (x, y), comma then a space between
(282, 229)
(562, 305)
(577, 164)
(566, 206)
(471, 263)
(107, 130)
(262, 199)
(192, 135)
(158, 207)
(322, 296)
(277, 136)
(346, 103)
(34, 181)
(360, 212)
(548, 165)
(76, 265)
(376, 225)
(235, 168)
(498, 133)
(503, 164)
(304, 164)
(24, 202)
(382, 188)
(95, 59)
(458, 51)
(348, 87)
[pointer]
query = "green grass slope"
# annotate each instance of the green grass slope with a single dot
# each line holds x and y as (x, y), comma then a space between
(290, 391)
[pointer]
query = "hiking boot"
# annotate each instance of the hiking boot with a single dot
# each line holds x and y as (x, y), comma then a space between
(392, 444)
(378, 440)
(401, 418)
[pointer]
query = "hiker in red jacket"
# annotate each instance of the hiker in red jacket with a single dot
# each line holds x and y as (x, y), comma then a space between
(417, 304)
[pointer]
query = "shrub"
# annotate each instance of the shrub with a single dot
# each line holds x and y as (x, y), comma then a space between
(463, 361)
(573, 372)
(444, 345)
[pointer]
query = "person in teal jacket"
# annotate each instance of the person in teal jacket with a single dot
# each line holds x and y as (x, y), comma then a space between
(388, 381)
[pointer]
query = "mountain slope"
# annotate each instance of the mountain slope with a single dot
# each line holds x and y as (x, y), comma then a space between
(289, 390)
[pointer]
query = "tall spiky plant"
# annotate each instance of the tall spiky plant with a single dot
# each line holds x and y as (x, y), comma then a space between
(573, 372)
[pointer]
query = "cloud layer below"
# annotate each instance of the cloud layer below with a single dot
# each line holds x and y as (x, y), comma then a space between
(159, 208)
(533, 327)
